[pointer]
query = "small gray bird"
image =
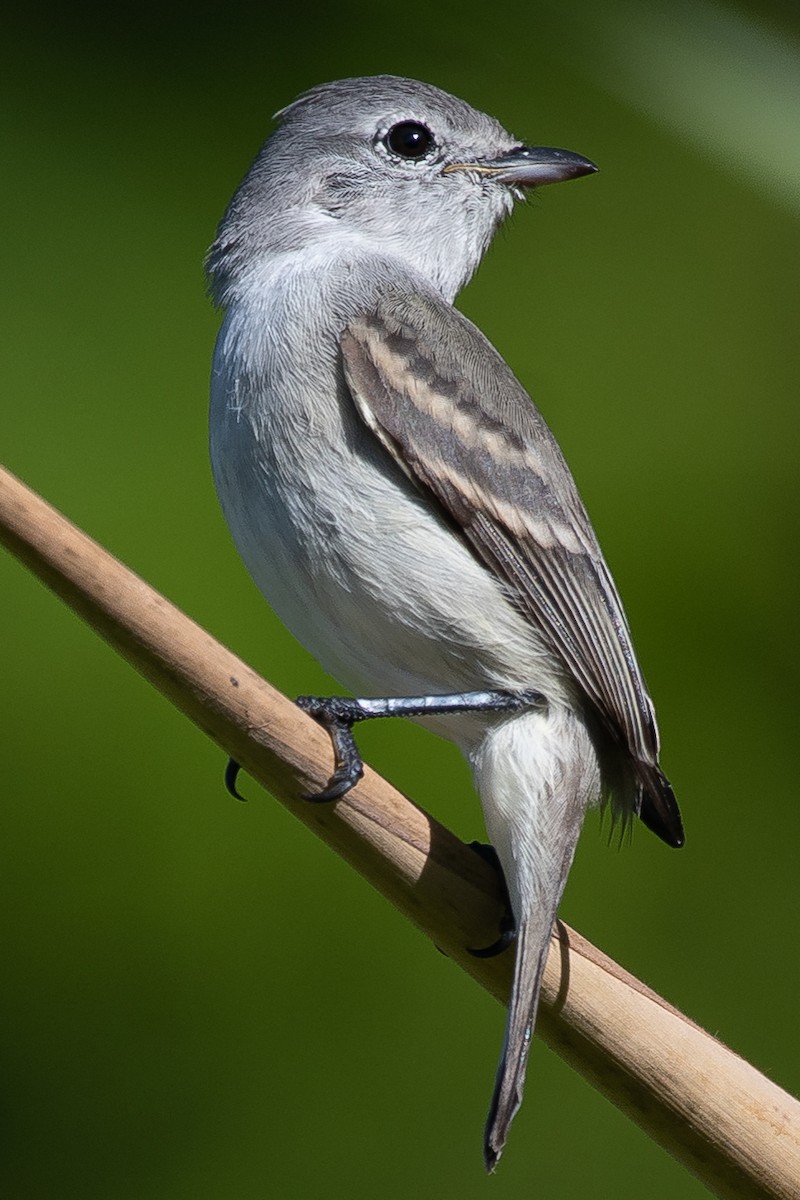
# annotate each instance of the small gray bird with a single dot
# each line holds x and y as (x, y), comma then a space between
(400, 501)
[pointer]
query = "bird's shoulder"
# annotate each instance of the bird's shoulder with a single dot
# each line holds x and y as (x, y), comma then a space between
(455, 392)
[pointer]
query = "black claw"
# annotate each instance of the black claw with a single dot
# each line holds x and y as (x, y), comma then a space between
(232, 770)
(503, 942)
(337, 715)
(339, 784)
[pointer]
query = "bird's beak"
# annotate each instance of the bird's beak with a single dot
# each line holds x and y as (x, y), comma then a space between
(529, 166)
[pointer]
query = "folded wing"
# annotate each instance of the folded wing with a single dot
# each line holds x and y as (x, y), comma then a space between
(449, 410)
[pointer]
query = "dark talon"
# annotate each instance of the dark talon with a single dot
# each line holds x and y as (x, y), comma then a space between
(503, 942)
(337, 716)
(339, 784)
(232, 770)
(508, 926)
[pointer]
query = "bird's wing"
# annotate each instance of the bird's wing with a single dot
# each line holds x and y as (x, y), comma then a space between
(449, 410)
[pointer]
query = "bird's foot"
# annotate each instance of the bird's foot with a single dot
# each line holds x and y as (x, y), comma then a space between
(338, 714)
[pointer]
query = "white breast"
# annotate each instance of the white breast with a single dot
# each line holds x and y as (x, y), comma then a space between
(354, 561)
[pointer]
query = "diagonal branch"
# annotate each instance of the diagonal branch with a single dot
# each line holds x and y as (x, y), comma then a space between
(735, 1129)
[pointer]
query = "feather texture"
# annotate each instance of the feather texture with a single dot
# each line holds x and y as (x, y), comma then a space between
(450, 411)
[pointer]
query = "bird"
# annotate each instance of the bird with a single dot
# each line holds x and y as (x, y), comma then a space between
(399, 499)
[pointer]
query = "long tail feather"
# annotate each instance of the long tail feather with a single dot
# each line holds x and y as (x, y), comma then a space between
(536, 775)
(532, 945)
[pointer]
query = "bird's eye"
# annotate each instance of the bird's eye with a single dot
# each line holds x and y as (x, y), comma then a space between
(409, 139)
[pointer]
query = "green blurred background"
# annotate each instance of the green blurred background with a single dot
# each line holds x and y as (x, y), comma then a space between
(198, 999)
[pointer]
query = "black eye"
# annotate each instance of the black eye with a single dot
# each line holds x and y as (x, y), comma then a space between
(409, 139)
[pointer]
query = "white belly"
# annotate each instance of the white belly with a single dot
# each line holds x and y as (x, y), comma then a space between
(356, 563)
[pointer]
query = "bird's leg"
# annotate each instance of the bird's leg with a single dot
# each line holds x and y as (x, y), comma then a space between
(338, 714)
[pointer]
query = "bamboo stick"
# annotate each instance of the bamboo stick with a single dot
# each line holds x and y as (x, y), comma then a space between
(730, 1125)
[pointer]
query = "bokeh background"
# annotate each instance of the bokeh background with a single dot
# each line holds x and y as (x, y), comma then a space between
(198, 999)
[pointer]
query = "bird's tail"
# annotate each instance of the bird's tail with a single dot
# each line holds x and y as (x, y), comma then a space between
(536, 775)
(533, 941)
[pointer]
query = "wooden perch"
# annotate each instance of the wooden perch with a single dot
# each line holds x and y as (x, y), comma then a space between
(735, 1129)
